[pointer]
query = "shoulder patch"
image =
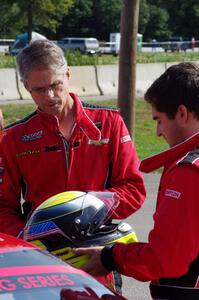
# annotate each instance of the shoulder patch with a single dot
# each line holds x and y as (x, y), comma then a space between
(93, 106)
(21, 121)
(191, 157)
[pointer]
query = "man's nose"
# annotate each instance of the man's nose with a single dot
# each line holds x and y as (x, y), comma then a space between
(49, 92)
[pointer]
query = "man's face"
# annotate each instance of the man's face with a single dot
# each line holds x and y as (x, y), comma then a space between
(170, 129)
(49, 90)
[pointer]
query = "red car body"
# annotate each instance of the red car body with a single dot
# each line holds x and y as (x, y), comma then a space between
(27, 273)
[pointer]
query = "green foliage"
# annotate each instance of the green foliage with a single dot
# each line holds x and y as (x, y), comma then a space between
(7, 61)
(75, 58)
(158, 19)
(106, 17)
(157, 24)
(146, 141)
(92, 18)
(45, 14)
(183, 17)
(164, 57)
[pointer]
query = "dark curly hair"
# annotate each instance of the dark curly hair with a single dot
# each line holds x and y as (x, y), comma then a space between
(178, 85)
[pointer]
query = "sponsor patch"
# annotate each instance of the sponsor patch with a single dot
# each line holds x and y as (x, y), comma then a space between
(125, 139)
(172, 194)
(32, 136)
(98, 143)
(52, 148)
(28, 152)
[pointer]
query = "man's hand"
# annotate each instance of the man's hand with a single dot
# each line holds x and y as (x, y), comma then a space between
(94, 265)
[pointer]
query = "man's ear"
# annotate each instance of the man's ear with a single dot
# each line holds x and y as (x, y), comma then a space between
(25, 85)
(182, 113)
(68, 73)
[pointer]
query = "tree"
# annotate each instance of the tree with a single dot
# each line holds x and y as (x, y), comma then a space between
(183, 17)
(106, 17)
(144, 15)
(77, 21)
(45, 14)
(95, 18)
(157, 25)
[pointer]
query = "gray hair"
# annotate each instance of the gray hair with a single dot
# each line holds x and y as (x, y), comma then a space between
(40, 55)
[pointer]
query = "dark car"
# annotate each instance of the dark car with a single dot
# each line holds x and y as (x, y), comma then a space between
(176, 44)
(27, 273)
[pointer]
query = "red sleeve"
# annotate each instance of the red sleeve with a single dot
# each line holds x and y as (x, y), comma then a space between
(10, 192)
(126, 179)
(173, 242)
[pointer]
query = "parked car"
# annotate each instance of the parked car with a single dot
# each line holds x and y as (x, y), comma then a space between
(85, 45)
(27, 273)
(176, 44)
(22, 40)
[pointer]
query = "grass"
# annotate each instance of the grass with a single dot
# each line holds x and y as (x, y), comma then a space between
(7, 61)
(163, 57)
(146, 141)
(75, 58)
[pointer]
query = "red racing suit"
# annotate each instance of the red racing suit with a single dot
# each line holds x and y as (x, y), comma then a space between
(173, 244)
(37, 161)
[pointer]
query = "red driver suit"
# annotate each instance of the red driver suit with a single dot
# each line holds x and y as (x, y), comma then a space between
(37, 161)
(173, 243)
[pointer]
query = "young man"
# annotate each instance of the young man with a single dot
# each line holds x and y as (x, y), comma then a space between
(170, 258)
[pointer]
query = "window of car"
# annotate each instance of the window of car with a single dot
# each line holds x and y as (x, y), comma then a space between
(36, 275)
(77, 41)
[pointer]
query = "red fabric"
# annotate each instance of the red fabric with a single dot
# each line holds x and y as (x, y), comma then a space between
(35, 151)
(107, 280)
(173, 242)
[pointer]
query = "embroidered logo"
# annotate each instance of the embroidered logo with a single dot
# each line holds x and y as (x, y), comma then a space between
(172, 194)
(32, 136)
(52, 148)
(98, 143)
(28, 152)
(125, 138)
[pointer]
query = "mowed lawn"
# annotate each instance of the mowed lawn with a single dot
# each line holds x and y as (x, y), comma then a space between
(146, 141)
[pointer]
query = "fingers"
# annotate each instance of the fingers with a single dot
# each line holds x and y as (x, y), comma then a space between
(94, 265)
(89, 251)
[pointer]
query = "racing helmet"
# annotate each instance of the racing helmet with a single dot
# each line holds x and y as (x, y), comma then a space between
(76, 219)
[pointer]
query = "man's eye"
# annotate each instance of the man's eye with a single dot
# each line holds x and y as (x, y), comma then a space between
(39, 90)
(54, 85)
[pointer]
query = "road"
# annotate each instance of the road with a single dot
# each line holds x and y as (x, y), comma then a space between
(142, 222)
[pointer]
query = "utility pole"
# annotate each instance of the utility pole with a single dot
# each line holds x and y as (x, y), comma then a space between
(127, 62)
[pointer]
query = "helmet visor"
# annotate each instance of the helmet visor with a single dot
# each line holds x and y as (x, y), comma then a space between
(97, 208)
